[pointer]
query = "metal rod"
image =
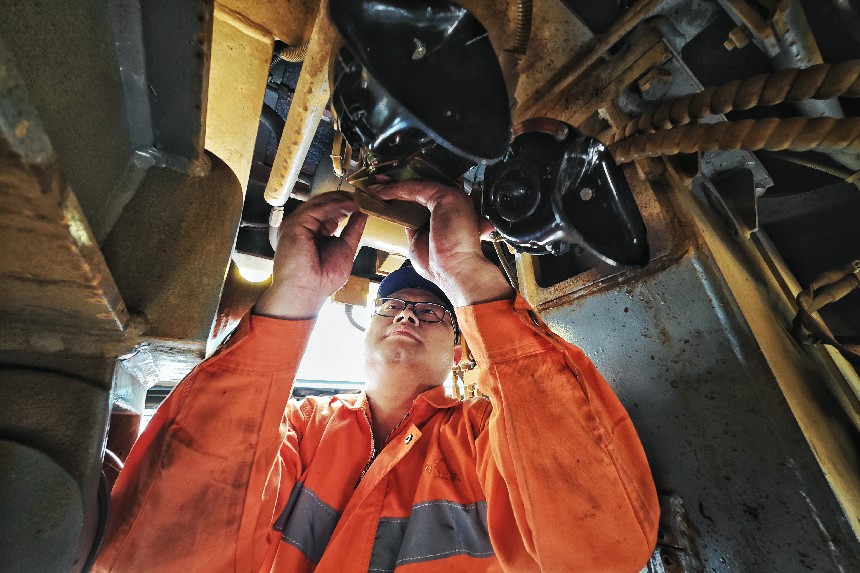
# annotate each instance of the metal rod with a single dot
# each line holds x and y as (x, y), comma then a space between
(306, 110)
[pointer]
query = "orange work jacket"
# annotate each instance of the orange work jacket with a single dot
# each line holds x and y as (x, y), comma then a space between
(231, 475)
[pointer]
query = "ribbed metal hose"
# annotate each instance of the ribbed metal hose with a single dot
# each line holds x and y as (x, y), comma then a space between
(524, 26)
(293, 53)
(822, 81)
(824, 134)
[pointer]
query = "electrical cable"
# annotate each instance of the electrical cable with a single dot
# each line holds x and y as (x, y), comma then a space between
(347, 308)
(825, 289)
(498, 241)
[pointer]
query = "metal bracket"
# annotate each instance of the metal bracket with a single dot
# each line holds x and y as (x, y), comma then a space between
(733, 194)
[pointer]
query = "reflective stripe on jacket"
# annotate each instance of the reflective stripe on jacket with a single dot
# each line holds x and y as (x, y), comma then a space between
(548, 474)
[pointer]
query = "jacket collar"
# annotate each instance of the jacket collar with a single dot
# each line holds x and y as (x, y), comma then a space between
(434, 398)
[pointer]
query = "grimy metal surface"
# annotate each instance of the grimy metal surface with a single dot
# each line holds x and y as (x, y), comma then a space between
(65, 53)
(715, 426)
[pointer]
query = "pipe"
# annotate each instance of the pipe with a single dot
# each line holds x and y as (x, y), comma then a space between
(293, 53)
(270, 118)
(306, 110)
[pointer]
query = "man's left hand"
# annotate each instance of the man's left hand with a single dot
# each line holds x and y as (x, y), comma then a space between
(448, 251)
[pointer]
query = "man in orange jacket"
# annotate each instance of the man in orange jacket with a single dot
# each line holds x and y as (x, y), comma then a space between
(232, 475)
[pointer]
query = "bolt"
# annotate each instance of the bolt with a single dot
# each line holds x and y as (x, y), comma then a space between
(561, 133)
(420, 49)
(658, 77)
(586, 193)
(738, 38)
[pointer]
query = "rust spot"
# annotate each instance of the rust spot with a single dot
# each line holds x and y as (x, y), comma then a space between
(22, 128)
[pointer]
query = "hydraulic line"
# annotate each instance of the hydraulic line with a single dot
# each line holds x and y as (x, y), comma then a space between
(293, 53)
(821, 81)
(524, 26)
(824, 134)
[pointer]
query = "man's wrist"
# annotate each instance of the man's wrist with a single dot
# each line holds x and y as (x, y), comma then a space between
(484, 283)
(288, 304)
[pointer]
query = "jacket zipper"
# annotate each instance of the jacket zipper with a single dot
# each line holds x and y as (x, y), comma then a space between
(372, 450)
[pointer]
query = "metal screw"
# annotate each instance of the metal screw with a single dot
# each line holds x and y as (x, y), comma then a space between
(562, 132)
(586, 194)
(408, 439)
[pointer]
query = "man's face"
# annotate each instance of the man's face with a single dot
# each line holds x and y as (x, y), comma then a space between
(404, 339)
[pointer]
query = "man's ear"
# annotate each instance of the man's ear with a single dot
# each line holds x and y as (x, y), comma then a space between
(458, 354)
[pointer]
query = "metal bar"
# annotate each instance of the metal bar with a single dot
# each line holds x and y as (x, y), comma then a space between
(306, 110)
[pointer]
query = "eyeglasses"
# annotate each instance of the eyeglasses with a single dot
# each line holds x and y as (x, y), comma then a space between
(429, 312)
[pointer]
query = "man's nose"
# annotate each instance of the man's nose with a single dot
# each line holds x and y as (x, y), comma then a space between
(408, 315)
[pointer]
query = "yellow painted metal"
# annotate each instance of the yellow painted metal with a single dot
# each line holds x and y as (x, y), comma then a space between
(287, 20)
(309, 101)
(241, 53)
(354, 292)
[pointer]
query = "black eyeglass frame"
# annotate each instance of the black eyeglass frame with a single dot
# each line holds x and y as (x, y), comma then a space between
(408, 303)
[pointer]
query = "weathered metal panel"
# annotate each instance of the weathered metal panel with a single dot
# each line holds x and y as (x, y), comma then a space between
(714, 423)
(170, 249)
(52, 273)
(66, 56)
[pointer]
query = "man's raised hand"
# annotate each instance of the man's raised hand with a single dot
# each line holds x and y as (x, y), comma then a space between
(448, 251)
(311, 262)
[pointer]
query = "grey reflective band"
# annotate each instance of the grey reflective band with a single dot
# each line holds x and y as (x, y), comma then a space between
(307, 522)
(434, 530)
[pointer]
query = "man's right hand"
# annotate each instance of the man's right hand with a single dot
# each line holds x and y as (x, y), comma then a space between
(311, 263)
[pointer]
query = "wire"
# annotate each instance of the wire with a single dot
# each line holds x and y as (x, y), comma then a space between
(347, 308)
(511, 273)
(834, 171)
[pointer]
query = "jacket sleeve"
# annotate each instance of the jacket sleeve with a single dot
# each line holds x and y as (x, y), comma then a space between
(565, 475)
(199, 488)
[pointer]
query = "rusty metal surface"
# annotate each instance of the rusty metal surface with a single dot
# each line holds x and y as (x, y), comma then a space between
(546, 98)
(170, 249)
(602, 84)
(558, 37)
(52, 272)
(678, 540)
(177, 68)
(714, 423)
(98, 86)
(823, 81)
(823, 134)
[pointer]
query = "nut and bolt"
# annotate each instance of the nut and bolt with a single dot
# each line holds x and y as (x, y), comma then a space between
(738, 38)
